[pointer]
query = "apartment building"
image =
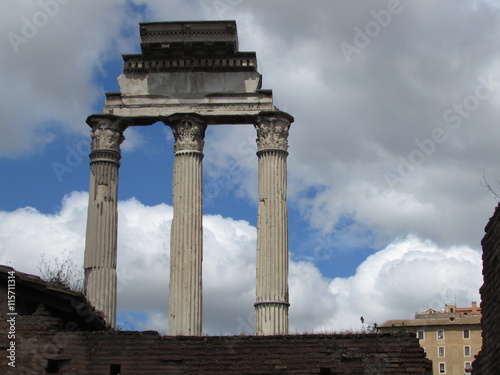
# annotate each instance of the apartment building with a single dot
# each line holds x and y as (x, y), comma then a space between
(451, 337)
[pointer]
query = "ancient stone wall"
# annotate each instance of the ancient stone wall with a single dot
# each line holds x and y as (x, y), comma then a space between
(43, 347)
(54, 330)
(488, 359)
(37, 338)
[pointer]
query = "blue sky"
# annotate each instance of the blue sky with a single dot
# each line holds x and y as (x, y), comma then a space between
(395, 107)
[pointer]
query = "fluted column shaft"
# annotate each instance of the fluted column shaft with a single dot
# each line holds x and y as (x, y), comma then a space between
(186, 236)
(101, 236)
(271, 306)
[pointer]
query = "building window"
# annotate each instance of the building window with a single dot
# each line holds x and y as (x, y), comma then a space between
(420, 335)
(55, 365)
(115, 369)
(467, 351)
(466, 333)
(440, 334)
(441, 352)
(468, 367)
(442, 368)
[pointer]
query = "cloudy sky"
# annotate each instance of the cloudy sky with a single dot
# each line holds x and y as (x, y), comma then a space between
(396, 106)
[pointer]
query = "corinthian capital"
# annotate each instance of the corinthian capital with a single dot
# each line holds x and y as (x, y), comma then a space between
(272, 130)
(189, 132)
(107, 131)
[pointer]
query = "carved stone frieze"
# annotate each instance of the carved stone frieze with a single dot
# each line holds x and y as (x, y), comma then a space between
(239, 62)
(272, 131)
(189, 132)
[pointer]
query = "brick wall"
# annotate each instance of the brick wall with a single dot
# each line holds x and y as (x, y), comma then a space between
(43, 347)
(488, 359)
(57, 331)
(37, 338)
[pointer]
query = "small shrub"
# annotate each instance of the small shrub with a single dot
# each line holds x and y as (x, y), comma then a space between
(62, 272)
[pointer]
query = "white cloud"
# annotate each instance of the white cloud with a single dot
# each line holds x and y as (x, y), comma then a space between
(354, 122)
(143, 257)
(311, 303)
(407, 276)
(52, 52)
(358, 123)
(134, 139)
(26, 234)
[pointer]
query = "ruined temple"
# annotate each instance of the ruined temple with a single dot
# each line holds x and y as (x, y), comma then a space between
(190, 75)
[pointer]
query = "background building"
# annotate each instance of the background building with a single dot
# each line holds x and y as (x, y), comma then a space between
(451, 338)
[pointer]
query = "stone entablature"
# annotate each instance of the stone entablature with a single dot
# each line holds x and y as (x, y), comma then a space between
(217, 109)
(189, 38)
(243, 61)
(189, 47)
(190, 67)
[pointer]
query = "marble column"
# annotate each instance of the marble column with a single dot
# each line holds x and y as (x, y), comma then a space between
(101, 237)
(186, 236)
(271, 306)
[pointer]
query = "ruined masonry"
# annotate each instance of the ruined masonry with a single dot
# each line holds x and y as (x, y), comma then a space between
(190, 75)
(58, 331)
(488, 359)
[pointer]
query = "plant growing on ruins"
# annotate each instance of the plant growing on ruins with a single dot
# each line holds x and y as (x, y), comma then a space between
(492, 190)
(62, 272)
